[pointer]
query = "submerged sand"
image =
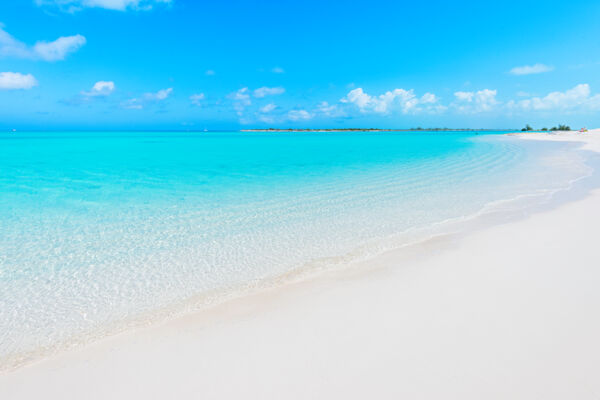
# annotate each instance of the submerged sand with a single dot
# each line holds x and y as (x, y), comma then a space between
(510, 311)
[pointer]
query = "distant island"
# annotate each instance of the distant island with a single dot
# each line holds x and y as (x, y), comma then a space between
(368, 130)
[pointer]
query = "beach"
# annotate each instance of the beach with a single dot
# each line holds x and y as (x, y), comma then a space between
(507, 310)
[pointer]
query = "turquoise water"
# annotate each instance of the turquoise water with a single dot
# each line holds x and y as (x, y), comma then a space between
(99, 230)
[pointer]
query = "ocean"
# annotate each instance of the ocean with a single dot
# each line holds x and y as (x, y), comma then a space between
(101, 231)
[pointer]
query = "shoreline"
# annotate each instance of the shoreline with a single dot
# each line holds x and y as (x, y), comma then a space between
(261, 310)
(496, 212)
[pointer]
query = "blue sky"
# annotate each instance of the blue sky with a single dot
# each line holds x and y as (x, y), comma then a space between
(182, 64)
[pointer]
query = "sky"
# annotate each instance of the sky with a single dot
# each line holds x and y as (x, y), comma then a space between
(219, 65)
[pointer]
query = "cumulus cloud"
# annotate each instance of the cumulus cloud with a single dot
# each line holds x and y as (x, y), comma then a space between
(16, 80)
(118, 5)
(100, 89)
(241, 95)
(196, 99)
(329, 110)
(299, 115)
(358, 97)
(209, 72)
(158, 96)
(475, 102)
(147, 98)
(531, 69)
(41, 50)
(464, 96)
(404, 100)
(268, 108)
(428, 98)
(277, 70)
(267, 91)
(241, 100)
(579, 98)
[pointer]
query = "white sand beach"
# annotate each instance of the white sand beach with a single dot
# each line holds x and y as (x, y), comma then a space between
(508, 312)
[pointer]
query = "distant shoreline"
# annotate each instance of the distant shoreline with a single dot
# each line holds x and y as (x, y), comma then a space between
(375, 130)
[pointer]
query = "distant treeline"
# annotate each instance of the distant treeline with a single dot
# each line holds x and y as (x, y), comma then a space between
(554, 128)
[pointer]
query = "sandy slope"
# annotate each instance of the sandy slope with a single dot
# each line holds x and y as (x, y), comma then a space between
(512, 311)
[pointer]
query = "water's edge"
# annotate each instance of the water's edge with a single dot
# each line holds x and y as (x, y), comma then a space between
(502, 211)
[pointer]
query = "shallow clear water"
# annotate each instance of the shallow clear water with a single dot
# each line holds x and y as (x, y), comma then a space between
(104, 228)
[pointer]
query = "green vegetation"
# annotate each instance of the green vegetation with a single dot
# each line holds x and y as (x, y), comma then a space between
(527, 128)
(554, 128)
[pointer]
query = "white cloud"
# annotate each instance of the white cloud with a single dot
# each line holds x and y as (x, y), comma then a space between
(278, 70)
(41, 50)
(486, 98)
(100, 88)
(241, 95)
(58, 49)
(197, 98)
(155, 97)
(464, 96)
(268, 108)
(404, 100)
(531, 69)
(579, 98)
(241, 100)
(119, 5)
(475, 102)
(266, 119)
(358, 97)
(15, 80)
(210, 72)
(267, 91)
(428, 98)
(330, 110)
(158, 96)
(299, 115)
